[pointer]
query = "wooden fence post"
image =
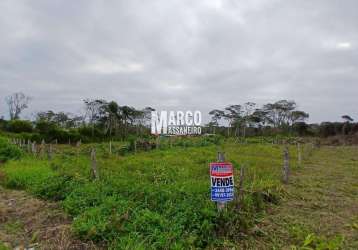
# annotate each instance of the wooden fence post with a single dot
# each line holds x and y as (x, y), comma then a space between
(309, 149)
(28, 146)
(78, 145)
(241, 187)
(221, 158)
(94, 170)
(286, 166)
(49, 152)
(33, 148)
(299, 154)
(158, 142)
(42, 148)
(110, 147)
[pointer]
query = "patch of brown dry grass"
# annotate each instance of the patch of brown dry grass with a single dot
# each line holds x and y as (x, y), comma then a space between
(29, 222)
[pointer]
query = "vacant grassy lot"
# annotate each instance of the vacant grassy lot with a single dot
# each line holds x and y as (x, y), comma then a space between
(160, 199)
(320, 207)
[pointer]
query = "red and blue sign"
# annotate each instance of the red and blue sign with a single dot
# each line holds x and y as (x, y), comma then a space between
(222, 181)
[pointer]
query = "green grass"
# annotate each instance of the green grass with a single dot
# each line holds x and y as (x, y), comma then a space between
(3, 247)
(319, 210)
(13, 227)
(8, 151)
(27, 173)
(154, 200)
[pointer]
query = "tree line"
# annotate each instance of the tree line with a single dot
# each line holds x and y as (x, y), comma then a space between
(281, 115)
(102, 120)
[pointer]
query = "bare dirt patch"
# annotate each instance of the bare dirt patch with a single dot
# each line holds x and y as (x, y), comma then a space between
(27, 222)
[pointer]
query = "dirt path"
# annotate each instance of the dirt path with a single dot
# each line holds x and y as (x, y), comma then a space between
(321, 205)
(29, 223)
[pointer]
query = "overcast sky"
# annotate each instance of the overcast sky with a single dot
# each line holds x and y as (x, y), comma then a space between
(181, 54)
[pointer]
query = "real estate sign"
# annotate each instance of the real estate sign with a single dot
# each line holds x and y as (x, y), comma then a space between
(222, 181)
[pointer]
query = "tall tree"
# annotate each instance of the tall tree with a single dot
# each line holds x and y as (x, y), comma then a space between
(17, 102)
(347, 118)
(216, 116)
(45, 116)
(259, 117)
(110, 117)
(248, 110)
(93, 110)
(346, 126)
(234, 117)
(49, 120)
(147, 114)
(127, 115)
(298, 116)
(278, 113)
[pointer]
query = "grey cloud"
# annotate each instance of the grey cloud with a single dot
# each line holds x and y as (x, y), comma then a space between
(181, 54)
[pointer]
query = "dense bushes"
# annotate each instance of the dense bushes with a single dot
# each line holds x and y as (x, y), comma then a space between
(48, 131)
(8, 151)
(327, 129)
(19, 126)
(62, 136)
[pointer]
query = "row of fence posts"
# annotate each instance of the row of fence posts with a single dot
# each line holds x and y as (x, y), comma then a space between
(286, 159)
(35, 150)
(157, 142)
(94, 169)
(31, 147)
(285, 171)
(273, 141)
(39, 150)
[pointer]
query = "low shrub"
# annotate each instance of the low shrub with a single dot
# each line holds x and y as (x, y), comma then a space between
(56, 187)
(86, 195)
(19, 126)
(26, 174)
(103, 222)
(8, 151)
